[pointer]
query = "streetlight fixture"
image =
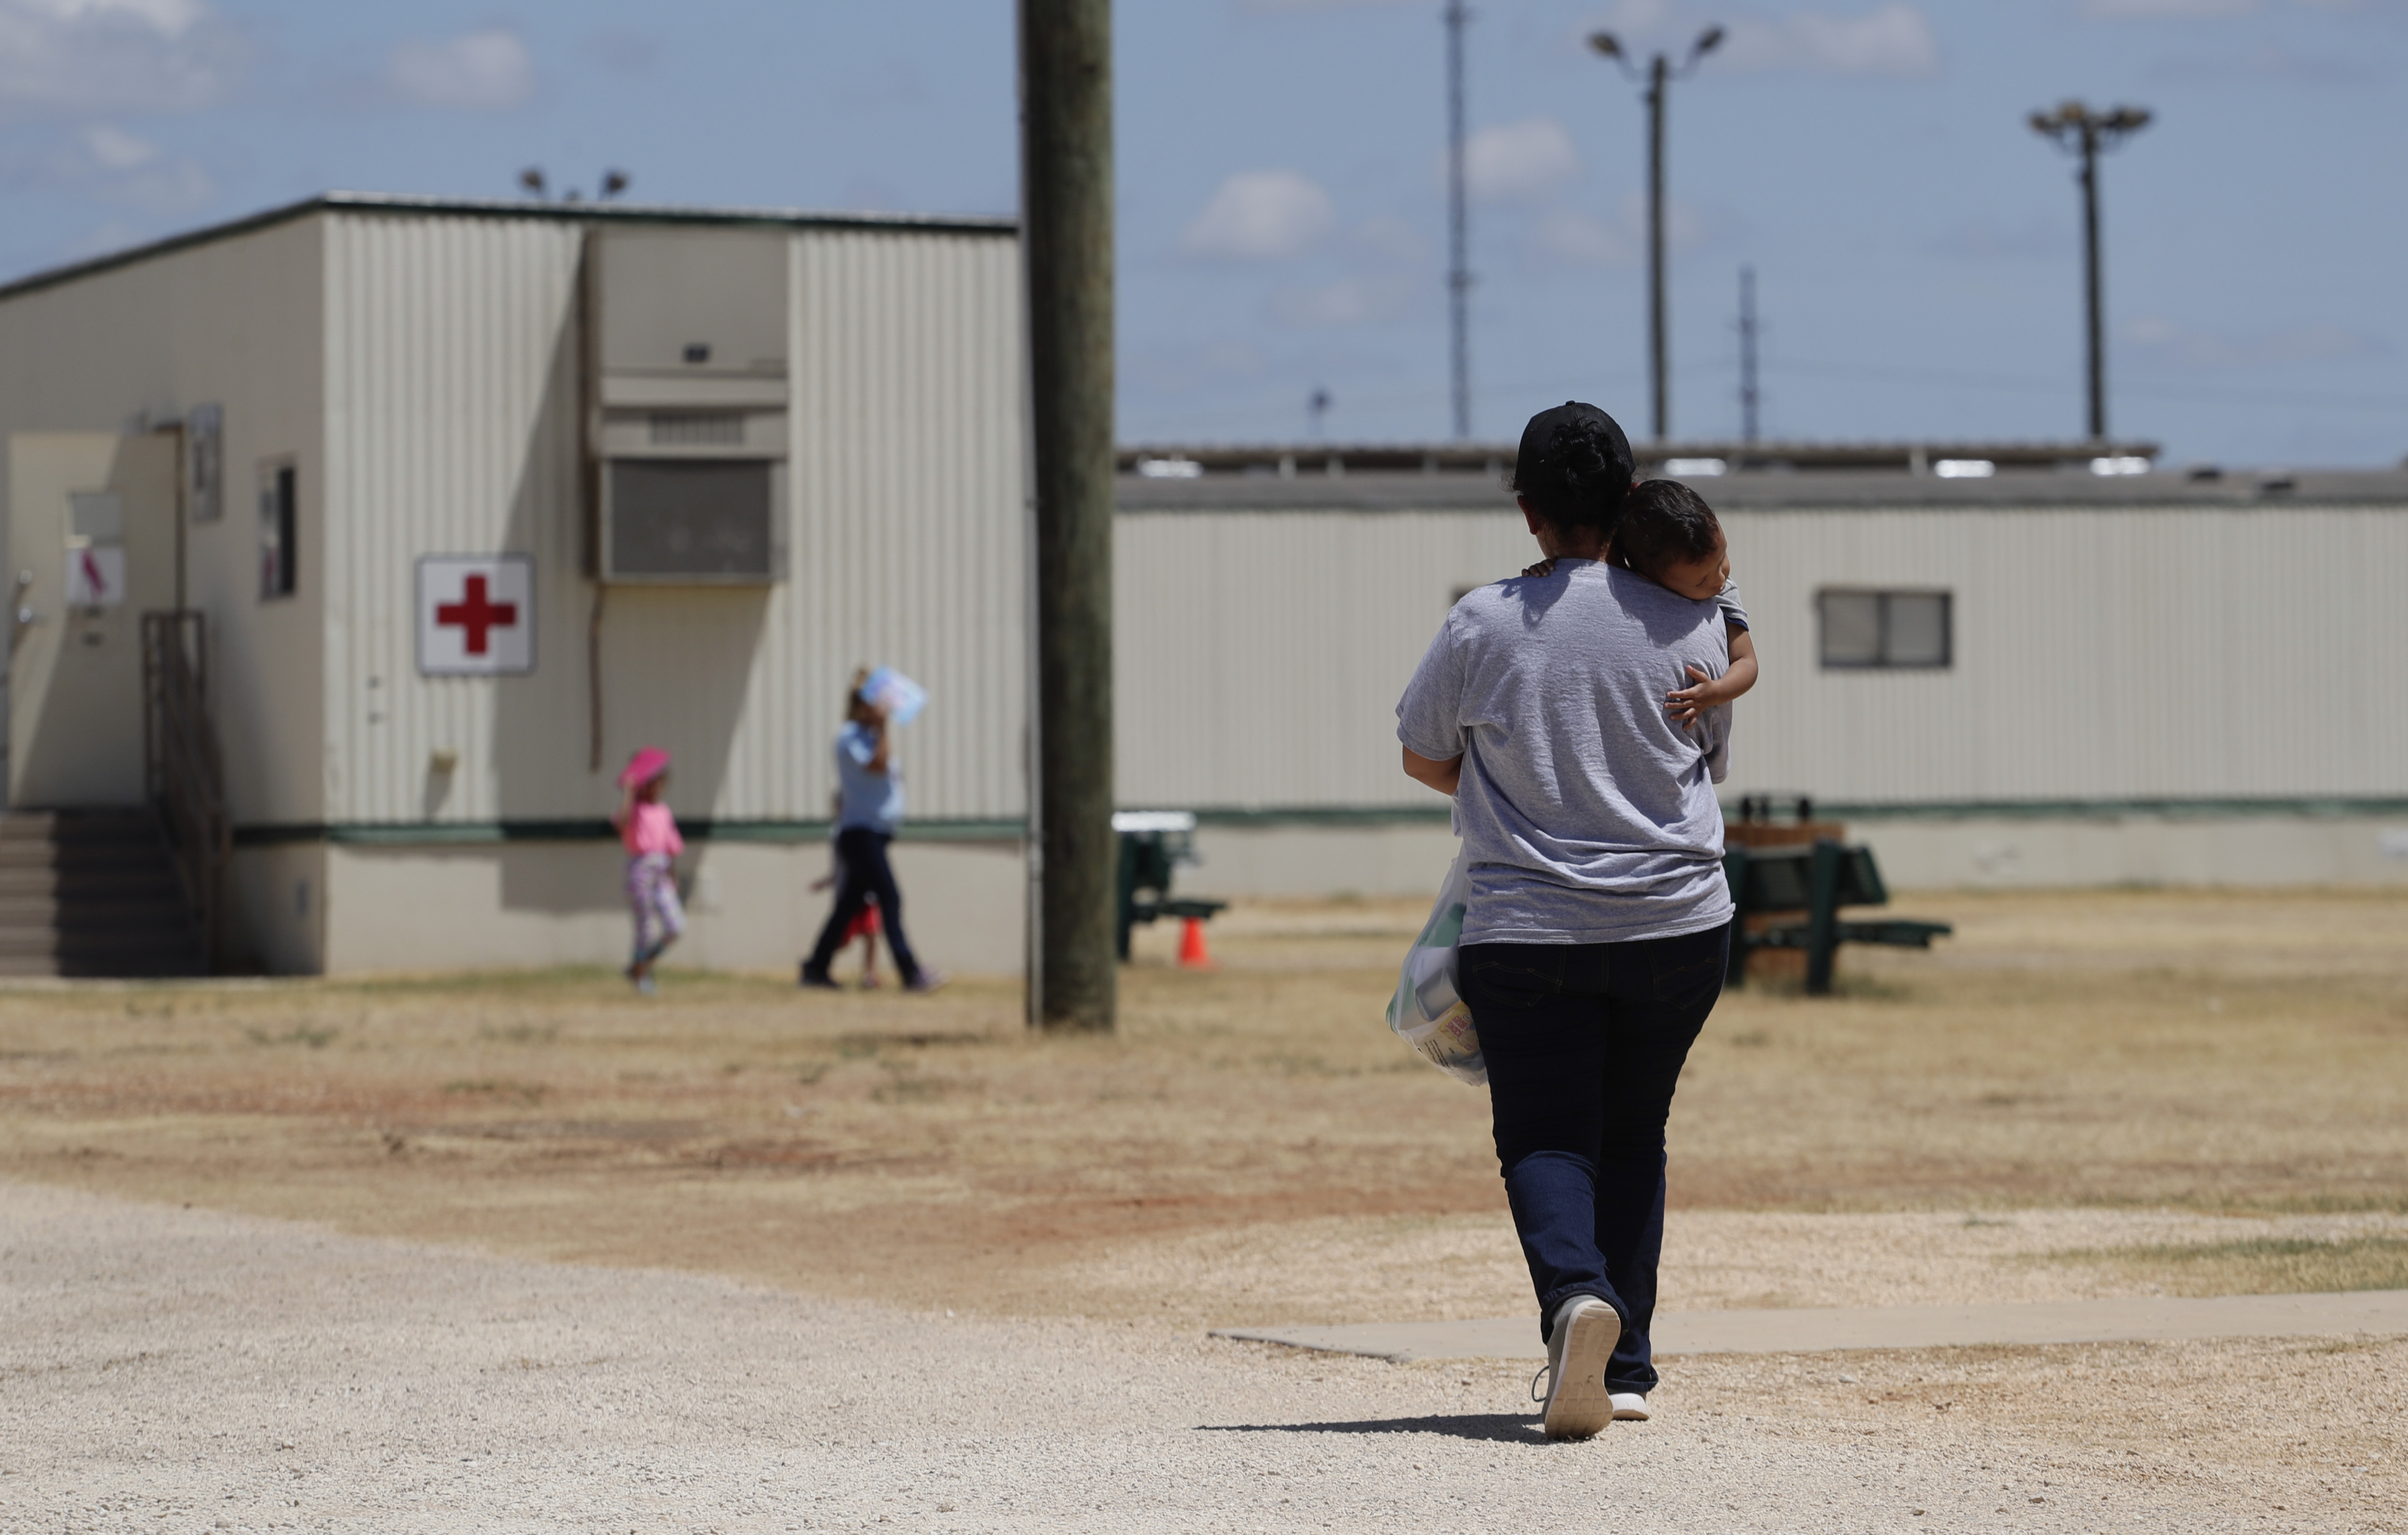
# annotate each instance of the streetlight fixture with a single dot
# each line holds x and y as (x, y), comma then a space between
(2078, 130)
(1660, 72)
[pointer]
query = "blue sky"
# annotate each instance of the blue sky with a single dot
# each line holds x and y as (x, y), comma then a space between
(1281, 215)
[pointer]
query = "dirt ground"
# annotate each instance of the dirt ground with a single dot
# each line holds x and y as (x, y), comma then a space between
(2081, 1094)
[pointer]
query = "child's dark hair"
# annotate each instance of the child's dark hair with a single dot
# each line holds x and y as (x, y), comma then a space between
(1663, 524)
(1576, 481)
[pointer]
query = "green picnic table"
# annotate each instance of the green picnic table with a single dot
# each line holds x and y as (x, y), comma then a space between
(1817, 879)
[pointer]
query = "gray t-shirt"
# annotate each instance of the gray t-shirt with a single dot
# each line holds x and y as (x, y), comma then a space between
(1587, 816)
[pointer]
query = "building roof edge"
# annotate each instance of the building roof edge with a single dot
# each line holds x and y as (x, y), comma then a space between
(497, 207)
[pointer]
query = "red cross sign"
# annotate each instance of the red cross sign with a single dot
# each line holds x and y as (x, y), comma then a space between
(476, 615)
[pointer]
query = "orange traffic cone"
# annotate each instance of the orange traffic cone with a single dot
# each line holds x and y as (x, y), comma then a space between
(1193, 956)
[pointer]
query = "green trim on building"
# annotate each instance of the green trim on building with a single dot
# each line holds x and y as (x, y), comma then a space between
(2112, 810)
(1437, 813)
(487, 833)
(422, 833)
(1968, 810)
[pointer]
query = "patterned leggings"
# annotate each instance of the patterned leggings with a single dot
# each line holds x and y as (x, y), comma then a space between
(652, 890)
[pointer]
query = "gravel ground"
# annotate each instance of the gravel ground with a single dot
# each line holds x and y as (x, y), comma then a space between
(172, 1370)
(1466, 1266)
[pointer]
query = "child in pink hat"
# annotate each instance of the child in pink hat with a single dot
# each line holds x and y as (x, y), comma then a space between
(649, 834)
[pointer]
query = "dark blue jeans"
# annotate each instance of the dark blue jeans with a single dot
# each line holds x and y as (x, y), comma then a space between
(867, 873)
(1585, 1043)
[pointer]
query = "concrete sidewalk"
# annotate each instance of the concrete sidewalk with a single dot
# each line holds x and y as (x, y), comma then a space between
(1811, 1329)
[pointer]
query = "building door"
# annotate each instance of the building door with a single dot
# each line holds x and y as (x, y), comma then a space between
(91, 545)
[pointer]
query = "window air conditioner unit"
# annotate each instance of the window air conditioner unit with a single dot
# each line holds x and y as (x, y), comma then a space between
(689, 420)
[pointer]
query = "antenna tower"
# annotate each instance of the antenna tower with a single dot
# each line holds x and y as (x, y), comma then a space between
(1459, 237)
(1747, 333)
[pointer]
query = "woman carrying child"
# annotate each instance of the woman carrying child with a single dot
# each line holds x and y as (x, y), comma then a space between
(649, 834)
(1595, 938)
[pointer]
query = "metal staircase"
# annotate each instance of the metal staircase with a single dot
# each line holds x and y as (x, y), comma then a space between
(130, 891)
(92, 893)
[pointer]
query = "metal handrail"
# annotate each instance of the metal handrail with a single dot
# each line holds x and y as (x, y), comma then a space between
(183, 775)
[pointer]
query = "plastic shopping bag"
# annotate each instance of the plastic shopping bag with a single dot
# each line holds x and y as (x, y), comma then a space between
(1427, 1013)
(890, 690)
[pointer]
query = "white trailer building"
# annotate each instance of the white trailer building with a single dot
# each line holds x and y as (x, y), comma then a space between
(471, 500)
(443, 509)
(2028, 673)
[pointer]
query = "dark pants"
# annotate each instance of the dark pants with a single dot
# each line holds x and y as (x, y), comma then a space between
(1585, 1043)
(865, 874)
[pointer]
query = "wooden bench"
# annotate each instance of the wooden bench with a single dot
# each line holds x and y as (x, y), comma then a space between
(1153, 844)
(1817, 879)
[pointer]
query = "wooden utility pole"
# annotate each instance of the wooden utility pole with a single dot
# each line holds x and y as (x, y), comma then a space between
(1066, 62)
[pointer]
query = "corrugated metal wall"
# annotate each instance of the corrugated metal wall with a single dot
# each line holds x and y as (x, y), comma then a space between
(2207, 652)
(1257, 656)
(232, 323)
(910, 545)
(453, 384)
(2173, 652)
(451, 428)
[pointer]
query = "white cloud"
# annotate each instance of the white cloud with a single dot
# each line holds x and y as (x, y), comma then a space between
(1388, 239)
(109, 164)
(477, 71)
(1260, 215)
(1584, 240)
(114, 149)
(79, 56)
(2176, 8)
(2187, 10)
(1348, 301)
(1517, 162)
(2160, 341)
(173, 18)
(1894, 39)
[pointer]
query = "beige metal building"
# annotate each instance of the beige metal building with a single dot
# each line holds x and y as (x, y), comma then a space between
(2025, 672)
(473, 499)
(463, 502)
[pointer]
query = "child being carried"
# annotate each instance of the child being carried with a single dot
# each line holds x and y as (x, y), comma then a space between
(1666, 533)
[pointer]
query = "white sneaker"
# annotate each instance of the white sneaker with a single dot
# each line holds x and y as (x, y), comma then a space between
(1629, 1407)
(1581, 1345)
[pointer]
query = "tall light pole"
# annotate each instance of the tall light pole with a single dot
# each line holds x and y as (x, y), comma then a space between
(1661, 73)
(1458, 234)
(2079, 131)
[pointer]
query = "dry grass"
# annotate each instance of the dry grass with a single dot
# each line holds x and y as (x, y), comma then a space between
(2081, 1094)
(2259, 1265)
(2223, 1053)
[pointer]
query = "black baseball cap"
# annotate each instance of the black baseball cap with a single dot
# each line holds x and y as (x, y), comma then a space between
(1532, 465)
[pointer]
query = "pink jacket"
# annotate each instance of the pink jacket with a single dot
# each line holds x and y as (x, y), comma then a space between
(651, 828)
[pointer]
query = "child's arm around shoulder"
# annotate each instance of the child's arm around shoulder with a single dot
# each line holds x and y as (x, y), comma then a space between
(1688, 703)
